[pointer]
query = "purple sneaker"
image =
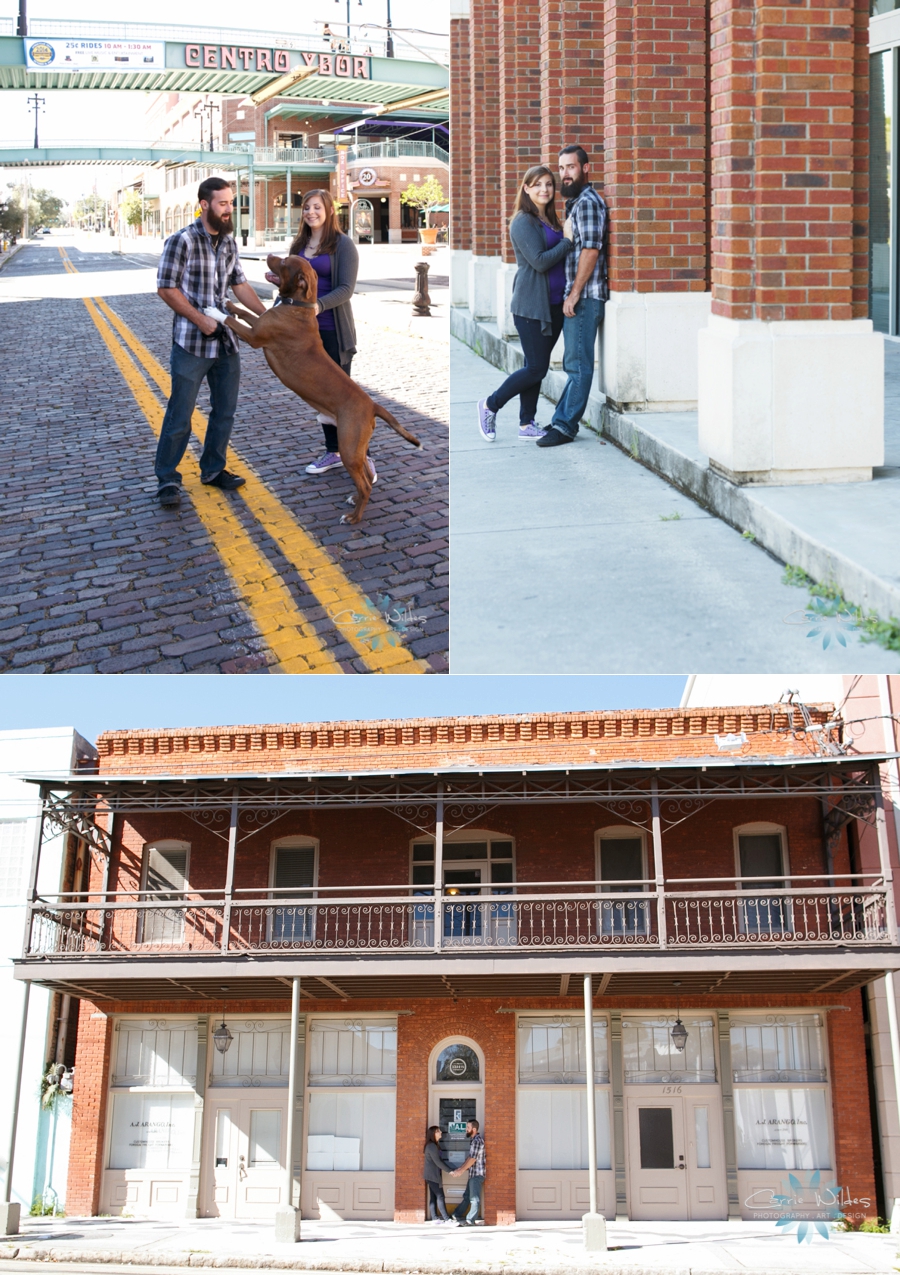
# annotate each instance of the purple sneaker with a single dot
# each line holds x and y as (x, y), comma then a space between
(331, 460)
(487, 421)
(531, 430)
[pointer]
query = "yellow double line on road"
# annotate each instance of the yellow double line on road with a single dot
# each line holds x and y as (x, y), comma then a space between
(290, 636)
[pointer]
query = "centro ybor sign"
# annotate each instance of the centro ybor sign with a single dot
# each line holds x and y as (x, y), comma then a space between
(233, 57)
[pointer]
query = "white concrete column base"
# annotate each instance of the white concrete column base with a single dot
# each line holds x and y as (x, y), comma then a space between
(593, 1226)
(798, 401)
(395, 234)
(287, 1225)
(648, 344)
(459, 276)
(506, 272)
(482, 286)
(9, 1218)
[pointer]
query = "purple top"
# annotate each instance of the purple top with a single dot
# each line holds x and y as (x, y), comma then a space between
(322, 267)
(556, 275)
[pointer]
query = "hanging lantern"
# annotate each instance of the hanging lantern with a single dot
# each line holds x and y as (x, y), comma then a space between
(222, 1037)
(679, 1032)
(679, 1035)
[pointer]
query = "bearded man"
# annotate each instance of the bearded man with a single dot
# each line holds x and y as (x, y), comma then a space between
(197, 267)
(585, 295)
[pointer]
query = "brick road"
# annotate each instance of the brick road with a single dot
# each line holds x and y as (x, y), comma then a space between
(96, 578)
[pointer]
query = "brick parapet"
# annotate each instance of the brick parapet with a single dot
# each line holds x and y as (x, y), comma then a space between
(527, 739)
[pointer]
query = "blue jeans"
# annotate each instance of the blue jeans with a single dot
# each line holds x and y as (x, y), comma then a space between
(580, 335)
(188, 370)
(526, 381)
(472, 1198)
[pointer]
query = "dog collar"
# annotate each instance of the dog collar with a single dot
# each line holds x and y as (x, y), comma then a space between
(309, 305)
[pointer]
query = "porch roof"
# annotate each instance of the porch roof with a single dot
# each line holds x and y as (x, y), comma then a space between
(709, 777)
(725, 975)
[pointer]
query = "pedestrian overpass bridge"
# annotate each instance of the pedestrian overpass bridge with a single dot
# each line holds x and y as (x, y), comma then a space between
(327, 71)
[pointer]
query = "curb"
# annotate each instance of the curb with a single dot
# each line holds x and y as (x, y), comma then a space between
(113, 1257)
(12, 252)
(737, 506)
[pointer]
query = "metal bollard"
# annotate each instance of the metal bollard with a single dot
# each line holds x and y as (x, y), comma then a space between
(421, 300)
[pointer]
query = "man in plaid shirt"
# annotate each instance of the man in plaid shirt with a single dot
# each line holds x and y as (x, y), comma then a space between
(586, 293)
(198, 266)
(475, 1186)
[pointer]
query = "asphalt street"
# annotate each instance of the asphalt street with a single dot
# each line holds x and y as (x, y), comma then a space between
(96, 578)
(577, 559)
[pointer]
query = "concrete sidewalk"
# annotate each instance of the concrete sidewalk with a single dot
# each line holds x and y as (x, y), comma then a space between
(577, 560)
(841, 533)
(661, 1248)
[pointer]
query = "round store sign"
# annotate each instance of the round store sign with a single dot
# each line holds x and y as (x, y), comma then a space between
(458, 1067)
(367, 177)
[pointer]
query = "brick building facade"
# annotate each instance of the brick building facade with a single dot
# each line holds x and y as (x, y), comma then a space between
(725, 868)
(731, 143)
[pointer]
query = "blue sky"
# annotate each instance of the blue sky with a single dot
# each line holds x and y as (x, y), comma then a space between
(93, 704)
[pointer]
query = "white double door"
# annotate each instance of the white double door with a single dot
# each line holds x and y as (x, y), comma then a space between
(244, 1156)
(676, 1153)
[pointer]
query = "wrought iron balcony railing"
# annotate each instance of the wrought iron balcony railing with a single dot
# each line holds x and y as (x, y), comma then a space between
(651, 916)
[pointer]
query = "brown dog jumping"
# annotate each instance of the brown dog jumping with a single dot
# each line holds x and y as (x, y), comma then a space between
(289, 337)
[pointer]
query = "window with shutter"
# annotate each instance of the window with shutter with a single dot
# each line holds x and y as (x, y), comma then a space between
(165, 873)
(293, 878)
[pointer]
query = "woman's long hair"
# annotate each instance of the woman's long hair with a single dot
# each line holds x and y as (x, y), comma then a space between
(429, 1136)
(525, 204)
(330, 231)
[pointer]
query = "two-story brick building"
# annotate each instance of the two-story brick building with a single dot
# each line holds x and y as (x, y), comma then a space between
(442, 888)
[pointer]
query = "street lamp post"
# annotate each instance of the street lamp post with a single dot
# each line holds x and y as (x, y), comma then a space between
(35, 103)
(209, 106)
(389, 44)
(23, 18)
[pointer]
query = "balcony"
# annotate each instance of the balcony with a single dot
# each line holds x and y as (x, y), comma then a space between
(369, 151)
(687, 915)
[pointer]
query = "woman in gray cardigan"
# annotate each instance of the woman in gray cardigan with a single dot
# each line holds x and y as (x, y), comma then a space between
(435, 1163)
(537, 300)
(333, 256)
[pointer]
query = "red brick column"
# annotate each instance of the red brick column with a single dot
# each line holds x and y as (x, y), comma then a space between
(860, 301)
(418, 1034)
(92, 1057)
(460, 141)
(655, 127)
(481, 203)
(854, 1169)
(520, 103)
(782, 90)
(571, 60)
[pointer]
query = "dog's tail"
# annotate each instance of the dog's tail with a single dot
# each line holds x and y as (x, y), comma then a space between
(389, 419)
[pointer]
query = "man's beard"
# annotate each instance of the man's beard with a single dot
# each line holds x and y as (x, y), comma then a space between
(569, 190)
(219, 225)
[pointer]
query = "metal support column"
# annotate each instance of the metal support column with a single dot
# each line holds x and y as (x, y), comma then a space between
(731, 1180)
(618, 1113)
(287, 1218)
(658, 865)
(884, 855)
(251, 202)
(33, 882)
(439, 870)
(229, 873)
(9, 1211)
(592, 1224)
(196, 1181)
(287, 200)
